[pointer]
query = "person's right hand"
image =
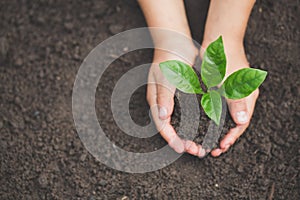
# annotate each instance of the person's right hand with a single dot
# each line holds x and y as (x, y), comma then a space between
(160, 96)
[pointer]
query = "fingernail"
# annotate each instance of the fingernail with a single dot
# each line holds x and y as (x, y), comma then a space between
(190, 147)
(201, 153)
(216, 152)
(162, 112)
(242, 116)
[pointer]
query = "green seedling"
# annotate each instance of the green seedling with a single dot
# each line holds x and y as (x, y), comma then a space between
(238, 85)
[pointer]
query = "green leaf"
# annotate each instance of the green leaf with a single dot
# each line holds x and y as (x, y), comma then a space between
(243, 82)
(182, 76)
(213, 66)
(212, 105)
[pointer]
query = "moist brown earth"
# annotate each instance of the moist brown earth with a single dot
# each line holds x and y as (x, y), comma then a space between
(42, 44)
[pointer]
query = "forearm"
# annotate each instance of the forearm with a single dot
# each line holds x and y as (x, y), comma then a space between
(169, 14)
(229, 18)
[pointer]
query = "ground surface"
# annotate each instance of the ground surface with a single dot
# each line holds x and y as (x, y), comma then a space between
(42, 46)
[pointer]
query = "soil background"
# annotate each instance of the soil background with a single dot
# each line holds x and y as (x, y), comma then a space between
(42, 44)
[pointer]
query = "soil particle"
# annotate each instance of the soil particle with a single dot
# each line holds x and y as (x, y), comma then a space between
(19, 62)
(43, 180)
(69, 26)
(115, 28)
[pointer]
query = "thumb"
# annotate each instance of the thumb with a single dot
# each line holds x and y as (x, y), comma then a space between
(239, 111)
(165, 100)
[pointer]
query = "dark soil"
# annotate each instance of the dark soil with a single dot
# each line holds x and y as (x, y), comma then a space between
(42, 44)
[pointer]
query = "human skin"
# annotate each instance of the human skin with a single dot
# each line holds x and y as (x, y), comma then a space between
(227, 18)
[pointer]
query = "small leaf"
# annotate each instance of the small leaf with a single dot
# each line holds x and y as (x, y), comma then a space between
(212, 105)
(182, 76)
(243, 82)
(213, 66)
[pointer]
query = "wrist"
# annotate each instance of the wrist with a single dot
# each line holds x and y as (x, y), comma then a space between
(185, 52)
(232, 45)
(234, 51)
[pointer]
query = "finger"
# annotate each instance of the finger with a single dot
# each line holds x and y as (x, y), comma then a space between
(154, 107)
(194, 149)
(231, 137)
(191, 147)
(237, 131)
(151, 94)
(239, 110)
(163, 126)
(165, 100)
(174, 141)
(216, 152)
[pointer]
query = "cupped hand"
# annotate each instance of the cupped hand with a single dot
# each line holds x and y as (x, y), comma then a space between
(160, 96)
(241, 112)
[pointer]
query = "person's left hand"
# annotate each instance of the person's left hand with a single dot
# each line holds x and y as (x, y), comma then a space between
(241, 110)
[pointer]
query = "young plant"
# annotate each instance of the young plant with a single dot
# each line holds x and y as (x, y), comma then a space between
(238, 85)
